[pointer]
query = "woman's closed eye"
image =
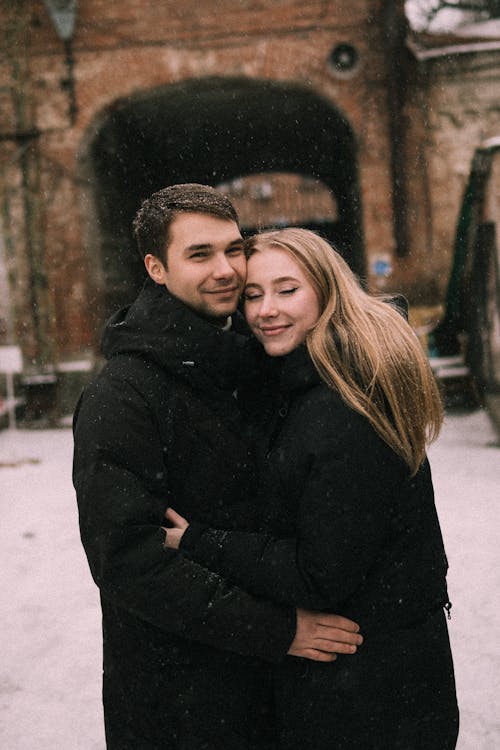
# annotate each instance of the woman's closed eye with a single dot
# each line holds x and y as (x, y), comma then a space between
(249, 296)
(254, 295)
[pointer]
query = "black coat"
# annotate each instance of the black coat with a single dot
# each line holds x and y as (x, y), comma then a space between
(346, 529)
(183, 650)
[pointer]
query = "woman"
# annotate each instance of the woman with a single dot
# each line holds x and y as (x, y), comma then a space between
(348, 522)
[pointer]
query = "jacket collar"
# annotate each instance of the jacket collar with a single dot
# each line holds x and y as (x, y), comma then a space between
(160, 327)
(298, 372)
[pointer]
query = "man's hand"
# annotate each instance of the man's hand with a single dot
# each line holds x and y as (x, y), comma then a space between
(321, 637)
(175, 532)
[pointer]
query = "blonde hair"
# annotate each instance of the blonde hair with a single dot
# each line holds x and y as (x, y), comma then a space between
(364, 349)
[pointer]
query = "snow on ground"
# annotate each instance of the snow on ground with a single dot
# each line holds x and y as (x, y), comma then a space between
(466, 471)
(51, 643)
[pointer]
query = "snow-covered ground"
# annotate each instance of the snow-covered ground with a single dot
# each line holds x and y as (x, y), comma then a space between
(466, 471)
(51, 643)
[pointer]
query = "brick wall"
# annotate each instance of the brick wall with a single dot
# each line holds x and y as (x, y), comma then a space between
(123, 54)
(451, 108)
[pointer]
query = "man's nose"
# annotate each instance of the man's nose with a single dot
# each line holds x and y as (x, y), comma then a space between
(222, 268)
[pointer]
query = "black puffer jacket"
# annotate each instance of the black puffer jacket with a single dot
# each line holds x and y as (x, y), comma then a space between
(345, 528)
(160, 426)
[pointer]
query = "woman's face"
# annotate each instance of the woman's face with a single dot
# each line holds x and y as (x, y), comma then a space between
(281, 304)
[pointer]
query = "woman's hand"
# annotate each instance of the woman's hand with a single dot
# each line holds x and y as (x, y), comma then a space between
(174, 533)
(320, 636)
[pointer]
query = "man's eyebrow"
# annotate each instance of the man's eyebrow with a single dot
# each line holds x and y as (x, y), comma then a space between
(207, 246)
(201, 246)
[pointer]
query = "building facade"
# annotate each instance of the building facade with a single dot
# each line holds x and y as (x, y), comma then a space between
(304, 112)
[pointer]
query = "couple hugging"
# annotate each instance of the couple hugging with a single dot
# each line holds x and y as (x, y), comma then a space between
(255, 501)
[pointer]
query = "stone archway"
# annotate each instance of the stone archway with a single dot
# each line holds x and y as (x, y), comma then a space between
(210, 131)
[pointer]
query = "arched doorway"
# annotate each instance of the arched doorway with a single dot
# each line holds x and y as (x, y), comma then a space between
(271, 200)
(211, 131)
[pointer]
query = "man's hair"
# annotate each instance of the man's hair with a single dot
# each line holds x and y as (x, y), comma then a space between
(153, 219)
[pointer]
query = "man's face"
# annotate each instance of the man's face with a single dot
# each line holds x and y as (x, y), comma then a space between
(206, 265)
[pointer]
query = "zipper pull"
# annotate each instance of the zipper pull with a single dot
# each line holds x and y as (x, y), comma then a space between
(448, 607)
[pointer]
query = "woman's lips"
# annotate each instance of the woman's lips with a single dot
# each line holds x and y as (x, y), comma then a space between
(274, 330)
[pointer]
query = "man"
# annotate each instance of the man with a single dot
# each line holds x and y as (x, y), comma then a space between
(185, 652)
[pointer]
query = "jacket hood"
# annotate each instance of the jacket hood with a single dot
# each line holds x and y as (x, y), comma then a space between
(160, 327)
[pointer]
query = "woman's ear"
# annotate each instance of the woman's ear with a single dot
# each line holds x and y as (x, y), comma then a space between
(155, 268)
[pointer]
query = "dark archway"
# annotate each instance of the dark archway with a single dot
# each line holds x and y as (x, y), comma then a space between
(211, 131)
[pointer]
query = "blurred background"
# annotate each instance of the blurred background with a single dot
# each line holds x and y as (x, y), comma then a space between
(376, 123)
(373, 122)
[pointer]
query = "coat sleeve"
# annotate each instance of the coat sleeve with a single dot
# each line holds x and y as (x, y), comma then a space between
(343, 524)
(117, 456)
